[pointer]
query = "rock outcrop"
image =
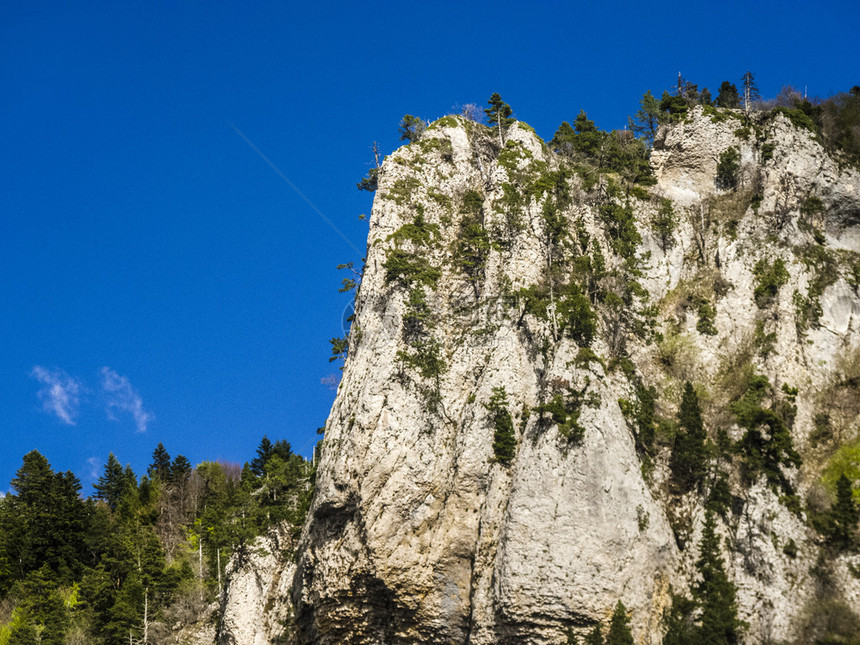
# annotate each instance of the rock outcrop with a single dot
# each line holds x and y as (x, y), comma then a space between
(512, 272)
(256, 607)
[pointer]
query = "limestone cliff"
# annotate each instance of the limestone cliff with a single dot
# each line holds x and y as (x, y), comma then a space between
(515, 272)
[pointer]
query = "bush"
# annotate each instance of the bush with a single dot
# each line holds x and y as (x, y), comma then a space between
(770, 277)
(705, 324)
(728, 169)
(409, 269)
(797, 117)
(564, 409)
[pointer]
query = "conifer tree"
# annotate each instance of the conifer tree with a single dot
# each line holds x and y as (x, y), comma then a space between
(111, 485)
(646, 120)
(499, 115)
(750, 90)
(180, 470)
(588, 137)
(688, 461)
(411, 128)
(160, 467)
(728, 96)
(678, 620)
(844, 515)
(504, 437)
(46, 521)
(264, 452)
(714, 592)
(619, 627)
(595, 636)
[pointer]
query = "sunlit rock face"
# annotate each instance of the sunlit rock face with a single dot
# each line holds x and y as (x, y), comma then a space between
(420, 533)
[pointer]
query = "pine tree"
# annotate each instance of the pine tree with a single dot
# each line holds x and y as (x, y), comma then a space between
(48, 526)
(160, 466)
(111, 485)
(588, 137)
(714, 592)
(688, 461)
(619, 627)
(646, 120)
(180, 470)
(750, 90)
(499, 115)
(595, 637)
(842, 529)
(264, 452)
(411, 128)
(678, 620)
(504, 437)
(728, 96)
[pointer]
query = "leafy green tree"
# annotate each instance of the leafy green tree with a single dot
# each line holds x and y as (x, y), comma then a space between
(689, 457)
(647, 119)
(411, 128)
(842, 527)
(728, 96)
(623, 153)
(714, 592)
(499, 115)
(619, 627)
(504, 436)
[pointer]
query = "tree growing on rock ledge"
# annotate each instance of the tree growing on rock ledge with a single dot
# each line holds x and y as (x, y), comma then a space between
(411, 128)
(689, 458)
(619, 627)
(504, 437)
(499, 115)
(842, 529)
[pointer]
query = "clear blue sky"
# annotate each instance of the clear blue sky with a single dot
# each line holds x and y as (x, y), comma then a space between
(160, 282)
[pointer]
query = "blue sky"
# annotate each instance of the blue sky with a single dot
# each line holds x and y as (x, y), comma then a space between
(160, 282)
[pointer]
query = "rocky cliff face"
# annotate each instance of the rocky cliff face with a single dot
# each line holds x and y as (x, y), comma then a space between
(255, 603)
(510, 274)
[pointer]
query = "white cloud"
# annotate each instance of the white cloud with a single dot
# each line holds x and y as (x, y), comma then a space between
(60, 394)
(123, 397)
(94, 465)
